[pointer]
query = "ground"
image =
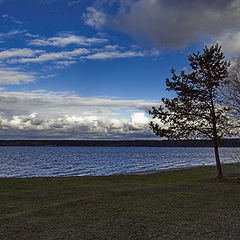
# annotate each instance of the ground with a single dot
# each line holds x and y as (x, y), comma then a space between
(184, 204)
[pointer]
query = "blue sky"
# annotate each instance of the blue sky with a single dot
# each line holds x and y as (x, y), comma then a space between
(77, 69)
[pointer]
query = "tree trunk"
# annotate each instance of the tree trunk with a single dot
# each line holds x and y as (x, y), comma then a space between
(218, 163)
(215, 138)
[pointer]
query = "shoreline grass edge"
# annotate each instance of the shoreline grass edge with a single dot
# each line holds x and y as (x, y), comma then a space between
(181, 204)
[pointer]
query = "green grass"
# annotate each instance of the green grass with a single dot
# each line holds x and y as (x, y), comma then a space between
(181, 204)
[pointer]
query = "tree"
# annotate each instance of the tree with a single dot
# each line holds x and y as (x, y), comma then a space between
(231, 90)
(194, 112)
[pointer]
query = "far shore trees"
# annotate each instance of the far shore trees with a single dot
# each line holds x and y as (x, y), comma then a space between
(195, 113)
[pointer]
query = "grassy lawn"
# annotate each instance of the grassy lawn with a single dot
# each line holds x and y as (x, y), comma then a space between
(181, 204)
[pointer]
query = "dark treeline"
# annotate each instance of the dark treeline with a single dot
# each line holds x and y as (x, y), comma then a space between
(123, 143)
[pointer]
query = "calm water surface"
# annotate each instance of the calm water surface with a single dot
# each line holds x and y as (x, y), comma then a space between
(81, 161)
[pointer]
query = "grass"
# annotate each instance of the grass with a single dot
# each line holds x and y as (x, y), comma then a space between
(180, 204)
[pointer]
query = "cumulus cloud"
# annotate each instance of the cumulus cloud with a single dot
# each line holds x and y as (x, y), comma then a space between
(13, 76)
(94, 17)
(73, 127)
(66, 39)
(43, 114)
(139, 118)
(175, 23)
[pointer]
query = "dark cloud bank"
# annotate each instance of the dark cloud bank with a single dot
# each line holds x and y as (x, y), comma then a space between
(175, 23)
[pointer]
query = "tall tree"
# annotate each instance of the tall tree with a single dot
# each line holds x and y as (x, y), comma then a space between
(231, 90)
(194, 112)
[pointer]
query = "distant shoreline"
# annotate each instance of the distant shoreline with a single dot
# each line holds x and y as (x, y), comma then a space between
(121, 143)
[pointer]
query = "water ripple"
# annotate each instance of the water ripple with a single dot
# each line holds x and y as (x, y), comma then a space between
(96, 161)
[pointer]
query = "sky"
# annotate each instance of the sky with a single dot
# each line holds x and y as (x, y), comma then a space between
(91, 69)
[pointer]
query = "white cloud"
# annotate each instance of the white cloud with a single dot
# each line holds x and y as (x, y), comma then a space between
(113, 55)
(52, 56)
(50, 115)
(63, 64)
(12, 76)
(230, 41)
(11, 33)
(66, 58)
(73, 127)
(48, 76)
(67, 39)
(21, 52)
(7, 17)
(73, 2)
(65, 115)
(110, 52)
(94, 17)
(111, 47)
(32, 35)
(139, 118)
(56, 104)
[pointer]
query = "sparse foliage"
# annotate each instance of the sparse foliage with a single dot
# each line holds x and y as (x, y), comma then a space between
(194, 112)
(231, 90)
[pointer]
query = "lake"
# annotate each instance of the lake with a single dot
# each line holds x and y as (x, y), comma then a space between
(25, 162)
